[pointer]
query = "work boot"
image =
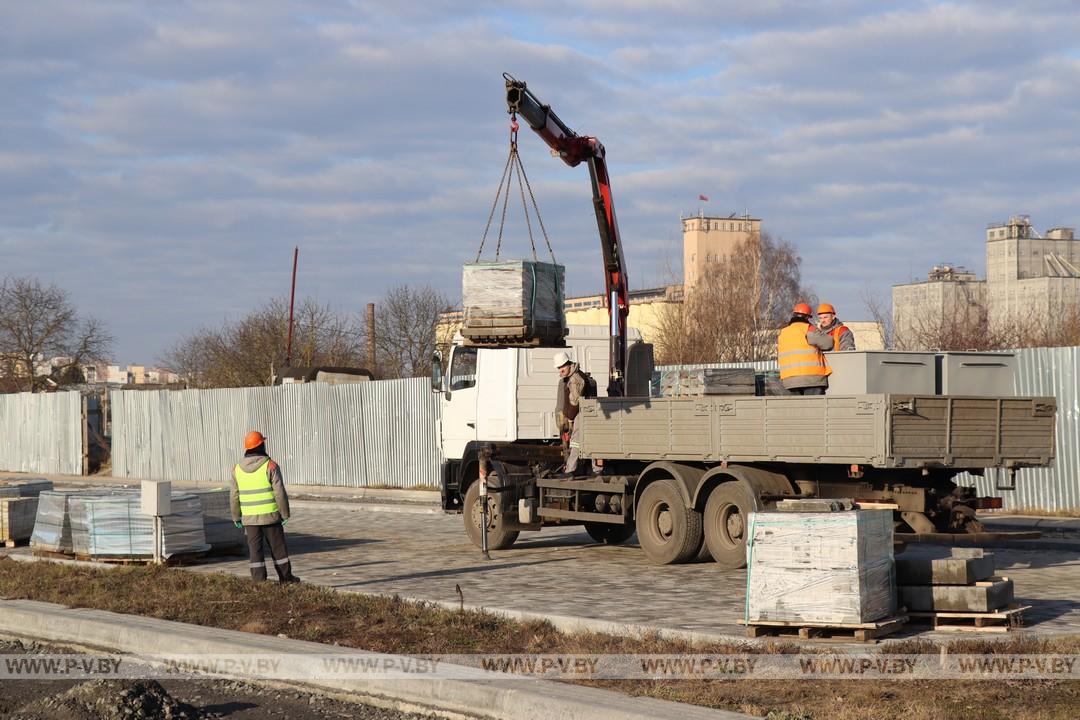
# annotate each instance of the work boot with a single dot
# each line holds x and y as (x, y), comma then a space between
(289, 580)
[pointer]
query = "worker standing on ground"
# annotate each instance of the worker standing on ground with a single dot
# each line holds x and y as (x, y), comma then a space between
(261, 507)
(843, 338)
(803, 369)
(574, 384)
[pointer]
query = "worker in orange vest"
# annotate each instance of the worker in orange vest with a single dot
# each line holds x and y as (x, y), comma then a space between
(803, 369)
(260, 506)
(843, 338)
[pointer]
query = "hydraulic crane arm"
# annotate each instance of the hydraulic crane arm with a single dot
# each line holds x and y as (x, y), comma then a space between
(573, 149)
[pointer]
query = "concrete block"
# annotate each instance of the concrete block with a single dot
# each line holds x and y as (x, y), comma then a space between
(956, 570)
(983, 597)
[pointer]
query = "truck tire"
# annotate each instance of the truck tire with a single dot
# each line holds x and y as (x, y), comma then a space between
(668, 530)
(726, 527)
(499, 537)
(608, 534)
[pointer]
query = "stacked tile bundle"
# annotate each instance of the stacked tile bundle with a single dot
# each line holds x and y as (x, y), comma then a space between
(113, 526)
(217, 519)
(18, 507)
(963, 582)
(707, 381)
(820, 567)
(514, 301)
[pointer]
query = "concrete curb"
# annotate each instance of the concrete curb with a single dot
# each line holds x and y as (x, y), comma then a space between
(151, 639)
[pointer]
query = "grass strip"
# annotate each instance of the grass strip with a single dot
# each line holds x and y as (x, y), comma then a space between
(392, 625)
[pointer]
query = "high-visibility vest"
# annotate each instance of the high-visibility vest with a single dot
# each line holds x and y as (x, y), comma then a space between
(836, 332)
(256, 492)
(796, 356)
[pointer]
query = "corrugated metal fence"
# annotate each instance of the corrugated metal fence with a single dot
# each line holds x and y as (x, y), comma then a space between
(41, 433)
(355, 435)
(1040, 372)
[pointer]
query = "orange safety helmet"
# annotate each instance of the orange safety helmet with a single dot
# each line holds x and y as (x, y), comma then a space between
(825, 308)
(802, 309)
(253, 440)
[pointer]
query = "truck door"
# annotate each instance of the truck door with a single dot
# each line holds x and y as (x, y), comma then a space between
(459, 403)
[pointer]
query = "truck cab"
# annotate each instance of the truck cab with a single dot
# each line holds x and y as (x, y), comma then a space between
(506, 396)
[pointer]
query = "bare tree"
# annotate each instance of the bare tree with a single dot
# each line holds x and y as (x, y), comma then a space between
(406, 330)
(39, 323)
(736, 309)
(879, 313)
(248, 352)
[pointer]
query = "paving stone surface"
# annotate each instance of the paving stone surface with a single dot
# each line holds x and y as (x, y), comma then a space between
(563, 572)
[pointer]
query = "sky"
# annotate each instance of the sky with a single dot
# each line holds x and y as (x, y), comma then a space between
(160, 161)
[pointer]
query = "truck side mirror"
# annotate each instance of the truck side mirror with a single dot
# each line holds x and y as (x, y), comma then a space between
(436, 372)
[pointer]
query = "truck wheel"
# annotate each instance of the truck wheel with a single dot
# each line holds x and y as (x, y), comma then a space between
(499, 538)
(608, 534)
(726, 524)
(668, 530)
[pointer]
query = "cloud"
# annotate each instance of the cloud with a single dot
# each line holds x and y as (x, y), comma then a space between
(162, 160)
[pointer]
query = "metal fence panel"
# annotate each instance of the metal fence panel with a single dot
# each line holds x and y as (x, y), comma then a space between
(41, 433)
(355, 435)
(1040, 372)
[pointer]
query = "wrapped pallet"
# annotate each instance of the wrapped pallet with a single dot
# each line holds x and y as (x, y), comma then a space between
(52, 524)
(17, 518)
(113, 526)
(513, 301)
(820, 567)
(217, 519)
(707, 381)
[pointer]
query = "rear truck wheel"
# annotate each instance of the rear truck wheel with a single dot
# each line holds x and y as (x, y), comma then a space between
(727, 524)
(499, 537)
(668, 530)
(608, 534)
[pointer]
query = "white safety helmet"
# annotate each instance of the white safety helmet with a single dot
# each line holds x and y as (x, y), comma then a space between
(560, 359)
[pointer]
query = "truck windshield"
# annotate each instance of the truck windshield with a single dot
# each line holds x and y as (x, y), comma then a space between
(463, 368)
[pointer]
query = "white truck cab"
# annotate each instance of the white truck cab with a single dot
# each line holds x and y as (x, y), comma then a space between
(508, 394)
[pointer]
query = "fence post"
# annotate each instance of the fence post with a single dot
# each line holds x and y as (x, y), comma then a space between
(85, 439)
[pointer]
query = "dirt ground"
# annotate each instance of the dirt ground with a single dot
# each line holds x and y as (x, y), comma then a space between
(172, 700)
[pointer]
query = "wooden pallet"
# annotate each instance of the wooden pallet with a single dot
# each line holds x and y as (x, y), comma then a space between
(1002, 620)
(171, 561)
(836, 632)
(54, 554)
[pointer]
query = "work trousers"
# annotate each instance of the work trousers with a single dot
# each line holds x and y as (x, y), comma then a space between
(809, 390)
(275, 539)
(575, 449)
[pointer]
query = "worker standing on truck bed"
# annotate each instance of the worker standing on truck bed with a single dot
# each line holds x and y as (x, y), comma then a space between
(843, 338)
(799, 347)
(260, 506)
(574, 384)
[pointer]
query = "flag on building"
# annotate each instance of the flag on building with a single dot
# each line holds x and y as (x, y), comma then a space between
(703, 197)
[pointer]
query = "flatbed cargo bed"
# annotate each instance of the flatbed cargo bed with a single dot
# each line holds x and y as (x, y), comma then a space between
(882, 430)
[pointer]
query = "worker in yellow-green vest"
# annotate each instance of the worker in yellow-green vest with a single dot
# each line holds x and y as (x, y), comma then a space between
(261, 507)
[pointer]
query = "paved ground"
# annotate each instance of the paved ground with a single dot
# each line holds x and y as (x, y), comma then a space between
(563, 572)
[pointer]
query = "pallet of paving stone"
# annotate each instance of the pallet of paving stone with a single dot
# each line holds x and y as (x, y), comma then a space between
(178, 559)
(24, 487)
(835, 632)
(964, 566)
(1002, 620)
(17, 519)
(513, 300)
(707, 381)
(983, 596)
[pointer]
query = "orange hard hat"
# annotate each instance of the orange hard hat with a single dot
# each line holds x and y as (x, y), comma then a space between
(253, 440)
(802, 309)
(826, 308)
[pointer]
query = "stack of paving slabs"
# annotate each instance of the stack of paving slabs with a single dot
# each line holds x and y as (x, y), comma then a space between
(959, 591)
(52, 524)
(769, 383)
(18, 508)
(820, 566)
(113, 526)
(707, 381)
(519, 301)
(220, 531)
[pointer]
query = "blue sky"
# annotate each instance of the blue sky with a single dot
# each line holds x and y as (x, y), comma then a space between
(161, 160)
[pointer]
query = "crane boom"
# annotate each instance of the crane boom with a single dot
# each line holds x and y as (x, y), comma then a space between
(575, 149)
